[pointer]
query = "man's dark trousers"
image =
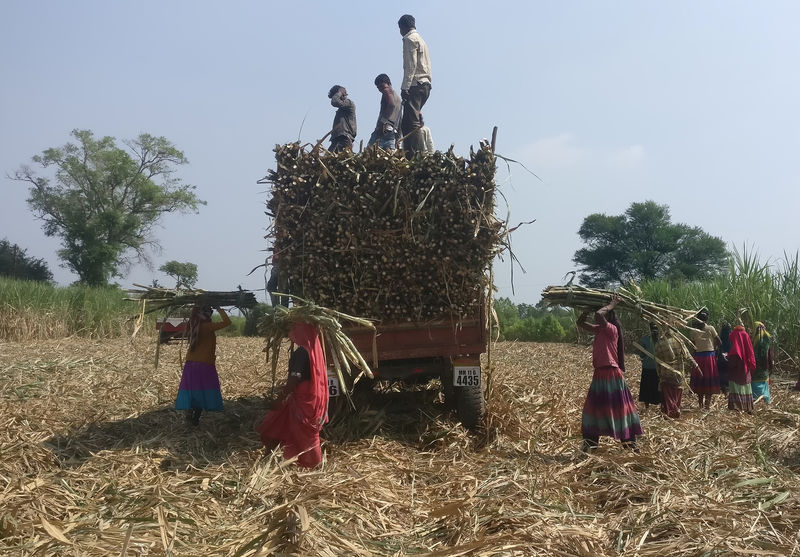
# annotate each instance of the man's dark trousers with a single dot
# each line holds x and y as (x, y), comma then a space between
(417, 97)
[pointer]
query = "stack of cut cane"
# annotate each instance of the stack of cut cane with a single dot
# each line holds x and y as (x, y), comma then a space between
(378, 235)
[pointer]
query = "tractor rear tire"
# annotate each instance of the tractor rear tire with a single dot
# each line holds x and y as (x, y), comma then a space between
(470, 405)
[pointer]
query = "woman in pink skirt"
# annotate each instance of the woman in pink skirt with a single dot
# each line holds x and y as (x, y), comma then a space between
(705, 378)
(609, 408)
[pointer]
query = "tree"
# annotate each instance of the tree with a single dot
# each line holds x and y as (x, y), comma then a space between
(643, 243)
(103, 201)
(526, 310)
(185, 274)
(15, 263)
(506, 310)
(548, 329)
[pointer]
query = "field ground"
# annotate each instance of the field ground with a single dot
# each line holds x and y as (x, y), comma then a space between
(93, 461)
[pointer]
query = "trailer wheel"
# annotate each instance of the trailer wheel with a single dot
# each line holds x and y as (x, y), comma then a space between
(163, 337)
(469, 405)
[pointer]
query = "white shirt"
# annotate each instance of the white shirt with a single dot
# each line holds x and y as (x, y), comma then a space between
(427, 139)
(416, 61)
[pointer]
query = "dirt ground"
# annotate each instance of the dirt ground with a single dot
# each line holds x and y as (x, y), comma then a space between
(94, 461)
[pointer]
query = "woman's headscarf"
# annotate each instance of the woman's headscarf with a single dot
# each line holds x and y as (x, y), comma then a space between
(761, 331)
(315, 403)
(199, 314)
(725, 338)
(654, 333)
(700, 319)
(761, 341)
(611, 317)
(742, 347)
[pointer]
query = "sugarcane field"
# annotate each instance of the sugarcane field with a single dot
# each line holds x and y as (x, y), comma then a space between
(557, 314)
(124, 473)
(98, 461)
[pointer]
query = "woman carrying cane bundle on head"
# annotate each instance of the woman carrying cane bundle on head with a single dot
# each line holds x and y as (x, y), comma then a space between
(722, 356)
(199, 389)
(741, 361)
(649, 383)
(673, 358)
(609, 408)
(765, 361)
(705, 378)
(301, 409)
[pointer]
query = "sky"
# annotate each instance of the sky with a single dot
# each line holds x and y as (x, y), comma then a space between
(690, 104)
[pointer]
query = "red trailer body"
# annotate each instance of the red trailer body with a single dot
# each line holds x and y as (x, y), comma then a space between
(434, 339)
(418, 351)
(172, 328)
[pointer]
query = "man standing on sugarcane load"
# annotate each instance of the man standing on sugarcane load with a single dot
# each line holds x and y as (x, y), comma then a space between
(388, 126)
(416, 86)
(344, 123)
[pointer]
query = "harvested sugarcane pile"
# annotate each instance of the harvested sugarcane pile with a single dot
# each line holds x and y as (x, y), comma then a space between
(340, 351)
(377, 235)
(155, 299)
(583, 298)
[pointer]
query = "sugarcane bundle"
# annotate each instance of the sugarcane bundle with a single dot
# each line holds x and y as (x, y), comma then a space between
(174, 302)
(583, 298)
(339, 349)
(382, 236)
(155, 299)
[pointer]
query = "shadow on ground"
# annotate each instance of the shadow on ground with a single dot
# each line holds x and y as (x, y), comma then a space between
(409, 415)
(219, 434)
(414, 417)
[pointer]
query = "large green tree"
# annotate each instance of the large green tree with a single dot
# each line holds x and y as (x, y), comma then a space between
(103, 201)
(185, 274)
(644, 243)
(15, 263)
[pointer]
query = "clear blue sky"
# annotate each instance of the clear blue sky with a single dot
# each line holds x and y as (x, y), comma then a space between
(692, 104)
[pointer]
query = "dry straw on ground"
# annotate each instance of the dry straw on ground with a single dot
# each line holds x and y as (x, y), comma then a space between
(95, 462)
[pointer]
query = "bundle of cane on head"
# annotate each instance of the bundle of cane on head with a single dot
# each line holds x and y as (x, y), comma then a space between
(340, 351)
(582, 298)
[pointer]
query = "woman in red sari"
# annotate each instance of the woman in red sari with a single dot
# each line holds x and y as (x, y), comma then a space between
(741, 360)
(302, 407)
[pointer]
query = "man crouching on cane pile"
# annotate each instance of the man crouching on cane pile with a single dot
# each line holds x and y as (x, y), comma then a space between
(302, 406)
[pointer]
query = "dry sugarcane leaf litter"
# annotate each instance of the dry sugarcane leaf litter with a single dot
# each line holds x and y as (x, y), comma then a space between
(94, 450)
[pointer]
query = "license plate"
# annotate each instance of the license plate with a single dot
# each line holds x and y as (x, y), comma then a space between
(467, 376)
(333, 386)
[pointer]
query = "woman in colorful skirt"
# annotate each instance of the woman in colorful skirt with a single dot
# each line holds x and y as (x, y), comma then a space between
(199, 389)
(765, 361)
(705, 378)
(648, 386)
(302, 407)
(609, 408)
(722, 357)
(673, 358)
(741, 360)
